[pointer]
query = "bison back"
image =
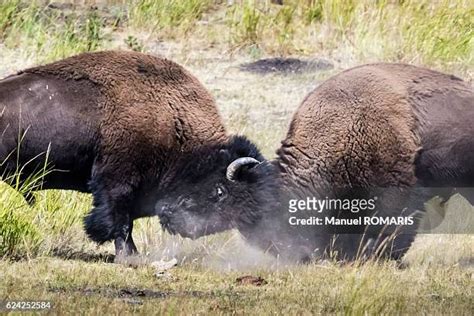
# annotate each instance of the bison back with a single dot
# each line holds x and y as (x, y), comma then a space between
(151, 107)
(381, 125)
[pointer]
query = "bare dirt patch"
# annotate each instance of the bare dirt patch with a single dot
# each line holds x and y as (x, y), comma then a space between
(286, 66)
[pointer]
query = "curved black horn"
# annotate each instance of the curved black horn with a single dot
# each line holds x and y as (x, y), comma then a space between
(237, 164)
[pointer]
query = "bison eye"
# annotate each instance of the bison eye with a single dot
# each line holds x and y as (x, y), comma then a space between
(220, 192)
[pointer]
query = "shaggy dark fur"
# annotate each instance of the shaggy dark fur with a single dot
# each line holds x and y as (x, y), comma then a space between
(114, 123)
(398, 132)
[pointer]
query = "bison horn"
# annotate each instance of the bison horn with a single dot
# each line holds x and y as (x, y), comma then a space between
(237, 164)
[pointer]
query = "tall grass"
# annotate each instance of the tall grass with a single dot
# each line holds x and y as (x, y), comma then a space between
(46, 33)
(23, 227)
(18, 234)
(245, 21)
(156, 15)
(427, 32)
(51, 224)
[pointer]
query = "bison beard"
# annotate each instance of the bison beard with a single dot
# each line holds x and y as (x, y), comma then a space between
(115, 123)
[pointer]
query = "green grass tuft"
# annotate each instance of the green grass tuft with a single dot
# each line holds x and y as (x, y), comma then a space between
(245, 24)
(155, 15)
(439, 33)
(47, 34)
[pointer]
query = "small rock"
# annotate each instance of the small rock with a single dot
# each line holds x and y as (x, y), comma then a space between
(162, 266)
(132, 301)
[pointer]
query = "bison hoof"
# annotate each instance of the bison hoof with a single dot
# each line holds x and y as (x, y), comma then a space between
(124, 248)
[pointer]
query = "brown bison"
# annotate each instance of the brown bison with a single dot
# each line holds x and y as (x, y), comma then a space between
(111, 123)
(391, 133)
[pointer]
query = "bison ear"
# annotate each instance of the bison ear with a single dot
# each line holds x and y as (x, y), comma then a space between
(240, 169)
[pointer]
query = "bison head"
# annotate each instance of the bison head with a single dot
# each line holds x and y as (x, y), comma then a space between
(217, 188)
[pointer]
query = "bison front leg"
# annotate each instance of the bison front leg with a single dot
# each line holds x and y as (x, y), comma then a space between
(111, 222)
(110, 217)
(124, 245)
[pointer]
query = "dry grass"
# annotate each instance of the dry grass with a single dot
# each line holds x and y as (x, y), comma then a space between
(435, 33)
(98, 288)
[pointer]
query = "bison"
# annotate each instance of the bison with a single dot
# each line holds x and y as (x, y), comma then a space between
(393, 131)
(111, 123)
